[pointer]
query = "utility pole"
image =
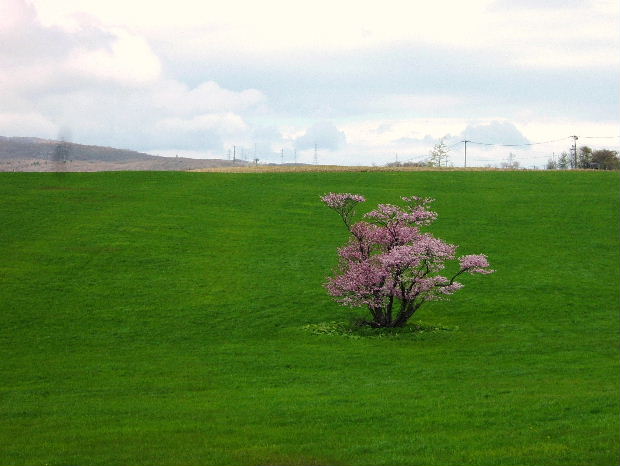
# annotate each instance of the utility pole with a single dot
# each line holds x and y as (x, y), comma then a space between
(465, 141)
(234, 154)
(574, 150)
(282, 156)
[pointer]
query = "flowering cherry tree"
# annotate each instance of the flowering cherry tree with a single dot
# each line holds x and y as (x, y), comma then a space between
(389, 265)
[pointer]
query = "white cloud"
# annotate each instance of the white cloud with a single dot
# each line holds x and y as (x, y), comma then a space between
(107, 85)
(383, 133)
(201, 76)
(541, 40)
(530, 33)
(278, 24)
(14, 14)
(38, 57)
(178, 99)
(127, 59)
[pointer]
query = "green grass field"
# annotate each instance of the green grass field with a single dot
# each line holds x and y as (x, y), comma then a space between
(158, 319)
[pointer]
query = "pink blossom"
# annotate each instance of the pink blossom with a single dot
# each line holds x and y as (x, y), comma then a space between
(445, 287)
(475, 263)
(344, 204)
(365, 231)
(385, 235)
(423, 285)
(398, 235)
(421, 216)
(389, 262)
(389, 214)
(360, 284)
(400, 258)
(355, 251)
(434, 248)
(340, 200)
(416, 200)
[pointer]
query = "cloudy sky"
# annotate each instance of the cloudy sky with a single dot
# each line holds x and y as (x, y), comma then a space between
(365, 82)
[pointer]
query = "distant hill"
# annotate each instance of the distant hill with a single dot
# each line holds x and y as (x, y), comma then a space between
(34, 154)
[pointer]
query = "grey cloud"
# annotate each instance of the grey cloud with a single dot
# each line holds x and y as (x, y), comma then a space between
(383, 128)
(290, 87)
(44, 85)
(324, 134)
(496, 132)
(487, 81)
(267, 140)
(267, 134)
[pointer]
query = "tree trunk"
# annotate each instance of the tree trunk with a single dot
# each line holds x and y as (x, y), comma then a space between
(388, 312)
(404, 317)
(377, 316)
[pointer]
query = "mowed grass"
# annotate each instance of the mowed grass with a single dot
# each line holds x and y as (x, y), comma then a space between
(158, 319)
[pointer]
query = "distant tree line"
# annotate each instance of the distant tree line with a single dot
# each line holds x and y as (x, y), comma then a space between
(438, 157)
(409, 164)
(601, 159)
(586, 158)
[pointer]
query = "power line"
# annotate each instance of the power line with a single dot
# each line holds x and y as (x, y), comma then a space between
(517, 145)
(528, 143)
(573, 148)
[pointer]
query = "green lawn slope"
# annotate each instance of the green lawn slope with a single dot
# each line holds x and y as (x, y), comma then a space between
(158, 319)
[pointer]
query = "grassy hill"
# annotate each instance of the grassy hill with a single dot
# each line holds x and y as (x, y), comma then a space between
(158, 318)
(42, 155)
(45, 149)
